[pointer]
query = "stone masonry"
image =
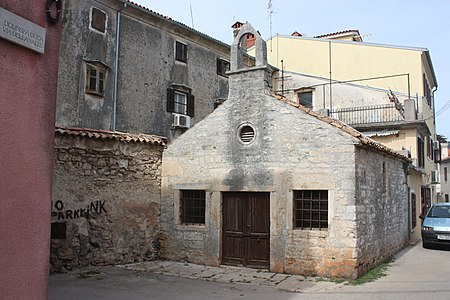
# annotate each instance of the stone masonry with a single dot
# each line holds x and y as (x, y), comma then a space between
(293, 149)
(106, 195)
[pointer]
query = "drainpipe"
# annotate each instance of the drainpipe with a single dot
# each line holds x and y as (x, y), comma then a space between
(116, 68)
(331, 94)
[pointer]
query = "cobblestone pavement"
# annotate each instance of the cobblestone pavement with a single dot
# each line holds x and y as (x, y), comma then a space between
(240, 275)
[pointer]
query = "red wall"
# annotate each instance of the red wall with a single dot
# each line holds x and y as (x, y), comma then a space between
(27, 108)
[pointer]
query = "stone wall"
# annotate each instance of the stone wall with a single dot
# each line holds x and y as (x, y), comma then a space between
(291, 151)
(139, 105)
(381, 206)
(106, 197)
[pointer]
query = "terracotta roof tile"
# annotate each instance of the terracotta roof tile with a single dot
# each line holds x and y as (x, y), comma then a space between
(364, 140)
(111, 135)
(133, 3)
(336, 33)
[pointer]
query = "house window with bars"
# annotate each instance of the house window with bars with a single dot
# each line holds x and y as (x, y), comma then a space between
(311, 209)
(192, 206)
(180, 51)
(95, 80)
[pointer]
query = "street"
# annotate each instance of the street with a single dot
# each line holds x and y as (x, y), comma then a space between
(415, 273)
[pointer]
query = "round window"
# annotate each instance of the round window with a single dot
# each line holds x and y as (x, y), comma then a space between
(246, 134)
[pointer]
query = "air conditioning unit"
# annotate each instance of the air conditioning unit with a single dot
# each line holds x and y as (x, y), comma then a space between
(434, 177)
(181, 121)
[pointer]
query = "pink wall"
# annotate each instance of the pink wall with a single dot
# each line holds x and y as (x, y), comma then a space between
(27, 108)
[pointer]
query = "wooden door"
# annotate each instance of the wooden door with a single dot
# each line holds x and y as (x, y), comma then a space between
(246, 229)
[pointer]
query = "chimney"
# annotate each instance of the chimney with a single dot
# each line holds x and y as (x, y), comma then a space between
(250, 40)
(236, 26)
(296, 33)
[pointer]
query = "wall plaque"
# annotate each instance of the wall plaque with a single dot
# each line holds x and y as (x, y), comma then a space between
(21, 31)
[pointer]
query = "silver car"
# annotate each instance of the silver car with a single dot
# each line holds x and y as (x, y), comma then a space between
(436, 225)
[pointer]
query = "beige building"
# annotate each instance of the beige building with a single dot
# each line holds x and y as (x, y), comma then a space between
(384, 91)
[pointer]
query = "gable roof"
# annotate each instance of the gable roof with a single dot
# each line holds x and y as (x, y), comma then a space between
(363, 139)
(111, 135)
(170, 20)
(340, 33)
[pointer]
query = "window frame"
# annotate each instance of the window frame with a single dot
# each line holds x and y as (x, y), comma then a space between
(305, 91)
(91, 21)
(99, 79)
(181, 52)
(172, 104)
(445, 174)
(187, 199)
(420, 152)
(222, 67)
(320, 221)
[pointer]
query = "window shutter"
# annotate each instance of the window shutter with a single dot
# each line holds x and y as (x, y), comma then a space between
(178, 51)
(184, 47)
(170, 100)
(190, 106)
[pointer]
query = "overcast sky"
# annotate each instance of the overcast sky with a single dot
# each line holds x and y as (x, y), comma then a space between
(416, 23)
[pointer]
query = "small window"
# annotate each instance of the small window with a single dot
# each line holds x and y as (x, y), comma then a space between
(192, 206)
(305, 98)
(223, 67)
(181, 52)
(311, 209)
(95, 80)
(445, 173)
(180, 102)
(421, 153)
(446, 197)
(98, 20)
(246, 134)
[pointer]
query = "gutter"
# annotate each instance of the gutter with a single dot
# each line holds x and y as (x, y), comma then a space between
(116, 68)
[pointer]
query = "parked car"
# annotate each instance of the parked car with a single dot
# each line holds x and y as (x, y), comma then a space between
(436, 225)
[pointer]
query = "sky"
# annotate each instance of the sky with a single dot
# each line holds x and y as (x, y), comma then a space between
(415, 23)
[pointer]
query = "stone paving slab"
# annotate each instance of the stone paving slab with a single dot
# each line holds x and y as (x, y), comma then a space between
(231, 274)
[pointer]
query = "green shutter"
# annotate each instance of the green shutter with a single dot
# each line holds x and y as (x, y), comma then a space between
(170, 100)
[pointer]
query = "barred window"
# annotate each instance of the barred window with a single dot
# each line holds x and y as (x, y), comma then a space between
(311, 209)
(192, 206)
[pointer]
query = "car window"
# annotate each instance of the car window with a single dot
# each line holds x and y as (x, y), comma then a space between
(439, 212)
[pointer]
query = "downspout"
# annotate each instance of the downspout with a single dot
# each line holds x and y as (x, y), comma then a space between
(331, 94)
(116, 68)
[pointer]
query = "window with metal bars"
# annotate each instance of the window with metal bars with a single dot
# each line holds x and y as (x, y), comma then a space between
(311, 209)
(192, 206)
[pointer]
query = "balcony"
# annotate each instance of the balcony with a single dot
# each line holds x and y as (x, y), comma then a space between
(382, 116)
(386, 113)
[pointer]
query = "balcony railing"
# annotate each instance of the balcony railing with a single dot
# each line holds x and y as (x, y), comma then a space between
(367, 114)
